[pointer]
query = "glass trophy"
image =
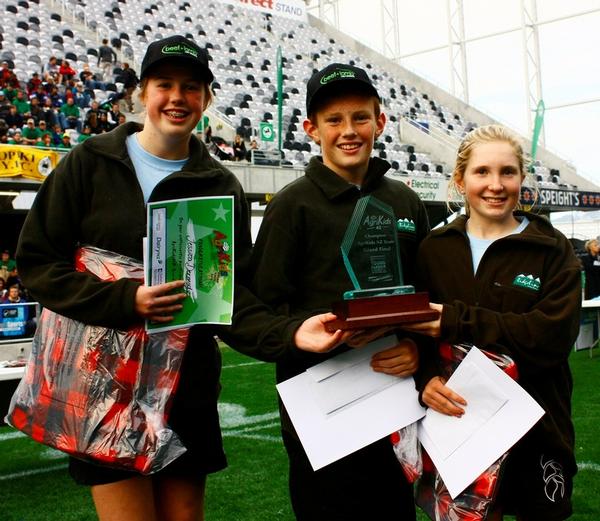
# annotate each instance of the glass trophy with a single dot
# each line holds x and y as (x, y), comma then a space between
(372, 259)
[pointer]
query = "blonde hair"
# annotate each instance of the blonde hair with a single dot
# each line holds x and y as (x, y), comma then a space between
(478, 136)
(588, 245)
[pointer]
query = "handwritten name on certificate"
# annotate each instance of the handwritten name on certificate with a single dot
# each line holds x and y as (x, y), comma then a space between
(192, 240)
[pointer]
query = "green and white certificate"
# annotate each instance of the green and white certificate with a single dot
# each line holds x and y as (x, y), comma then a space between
(192, 240)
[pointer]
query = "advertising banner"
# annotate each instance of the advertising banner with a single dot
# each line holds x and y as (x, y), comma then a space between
(26, 161)
(295, 9)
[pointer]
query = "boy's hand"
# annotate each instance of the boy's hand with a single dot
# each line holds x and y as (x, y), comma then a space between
(313, 336)
(400, 360)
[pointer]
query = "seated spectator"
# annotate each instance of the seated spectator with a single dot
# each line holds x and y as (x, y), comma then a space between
(253, 146)
(43, 126)
(3, 131)
(10, 92)
(239, 148)
(50, 70)
(49, 114)
(65, 141)
(57, 133)
(46, 141)
(31, 133)
(2, 288)
(113, 115)
(16, 138)
(33, 84)
(82, 96)
(7, 264)
(103, 124)
(69, 115)
(86, 133)
(21, 103)
(13, 295)
(65, 73)
(57, 99)
(221, 149)
(7, 77)
(122, 119)
(35, 110)
(89, 79)
(14, 119)
(5, 74)
(5, 105)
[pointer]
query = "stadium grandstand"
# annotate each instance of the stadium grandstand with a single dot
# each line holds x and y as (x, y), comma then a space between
(246, 42)
(243, 39)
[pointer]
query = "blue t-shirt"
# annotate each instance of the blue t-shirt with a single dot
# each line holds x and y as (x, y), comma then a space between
(479, 246)
(150, 169)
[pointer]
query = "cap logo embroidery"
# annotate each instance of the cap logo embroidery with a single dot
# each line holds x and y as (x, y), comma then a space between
(179, 49)
(527, 281)
(337, 74)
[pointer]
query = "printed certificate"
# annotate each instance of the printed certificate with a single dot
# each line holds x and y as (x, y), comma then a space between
(192, 240)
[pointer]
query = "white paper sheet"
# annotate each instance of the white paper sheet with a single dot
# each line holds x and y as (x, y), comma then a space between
(361, 421)
(484, 442)
(448, 433)
(347, 378)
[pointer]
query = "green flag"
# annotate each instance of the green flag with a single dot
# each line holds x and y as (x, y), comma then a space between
(279, 97)
(537, 128)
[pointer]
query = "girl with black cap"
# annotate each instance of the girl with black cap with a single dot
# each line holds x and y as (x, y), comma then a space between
(97, 196)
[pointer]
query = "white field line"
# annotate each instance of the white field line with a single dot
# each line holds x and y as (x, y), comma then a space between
(233, 366)
(32, 472)
(11, 435)
(234, 432)
(260, 437)
(238, 421)
(585, 465)
(588, 465)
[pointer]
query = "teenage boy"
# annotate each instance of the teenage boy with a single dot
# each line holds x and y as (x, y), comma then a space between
(299, 270)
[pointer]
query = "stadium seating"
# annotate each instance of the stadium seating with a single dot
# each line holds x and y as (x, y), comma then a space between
(243, 50)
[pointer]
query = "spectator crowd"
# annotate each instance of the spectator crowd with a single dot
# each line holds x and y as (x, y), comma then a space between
(60, 106)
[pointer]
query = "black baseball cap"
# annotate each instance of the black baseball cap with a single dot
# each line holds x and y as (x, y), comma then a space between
(177, 48)
(336, 75)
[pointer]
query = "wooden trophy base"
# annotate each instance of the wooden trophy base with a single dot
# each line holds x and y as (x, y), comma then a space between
(386, 310)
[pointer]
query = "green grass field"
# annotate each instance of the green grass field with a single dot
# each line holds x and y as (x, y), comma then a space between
(34, 485)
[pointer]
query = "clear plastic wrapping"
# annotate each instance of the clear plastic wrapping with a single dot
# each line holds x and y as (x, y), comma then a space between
(477, 500)
(408, 451)
(473, 504)
(100, 394)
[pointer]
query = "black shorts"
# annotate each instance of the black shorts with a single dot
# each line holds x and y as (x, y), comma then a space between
(368, 484)
(194, 417)
(535, 485)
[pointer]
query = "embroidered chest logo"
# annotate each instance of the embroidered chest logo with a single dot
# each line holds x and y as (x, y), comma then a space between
(527, 282)
(406, 225)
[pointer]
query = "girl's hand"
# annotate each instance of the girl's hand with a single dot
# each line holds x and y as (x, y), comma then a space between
(157, 303)
(312, 335)
(442, 399)
(431, 328)
(400, 360)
